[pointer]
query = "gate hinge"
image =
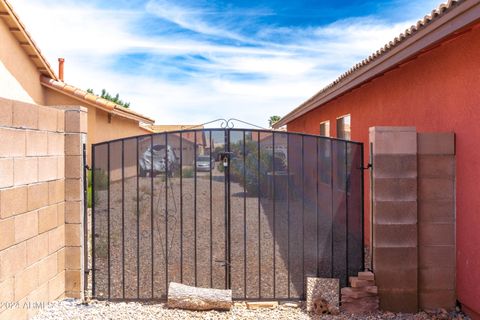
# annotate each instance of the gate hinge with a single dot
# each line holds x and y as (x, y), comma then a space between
(369, 165)
(88, 167)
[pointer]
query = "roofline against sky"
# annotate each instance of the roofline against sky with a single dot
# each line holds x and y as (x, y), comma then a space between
(443, 22)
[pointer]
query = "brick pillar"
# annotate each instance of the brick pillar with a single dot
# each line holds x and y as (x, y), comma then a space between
(436, 220)
(75, 137)
(395, 251)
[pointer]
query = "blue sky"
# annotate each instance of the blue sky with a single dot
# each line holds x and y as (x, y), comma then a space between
(191, 61)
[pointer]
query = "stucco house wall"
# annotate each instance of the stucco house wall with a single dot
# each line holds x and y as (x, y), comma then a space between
(439, 90)
(19, 77)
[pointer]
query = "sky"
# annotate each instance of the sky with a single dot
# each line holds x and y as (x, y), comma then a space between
(193, 61)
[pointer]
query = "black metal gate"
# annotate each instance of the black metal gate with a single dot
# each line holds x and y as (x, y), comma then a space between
(256, 211)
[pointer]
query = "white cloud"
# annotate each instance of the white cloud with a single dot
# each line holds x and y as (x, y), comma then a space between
(247, 82)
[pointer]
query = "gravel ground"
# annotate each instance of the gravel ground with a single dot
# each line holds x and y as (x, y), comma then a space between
(99, 310)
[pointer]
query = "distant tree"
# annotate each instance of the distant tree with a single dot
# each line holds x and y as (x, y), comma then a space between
(115, 99)
(273, 120)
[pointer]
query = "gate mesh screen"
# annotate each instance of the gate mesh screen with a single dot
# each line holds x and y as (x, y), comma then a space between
(251, 210)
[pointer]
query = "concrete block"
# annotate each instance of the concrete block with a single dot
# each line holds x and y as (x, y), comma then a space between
(436, 278)
(72, 234)
(56, 191)
(72, 258)
(395, 235)
(37, 196)
(73, 167)
(61, 260)
(26, 226)
(7, 289)
(436, 189)
(395, 189)
(56, 239)
(56, 143)
(73, 189)
(61, 213)
(436, 211)
(73, 212)
(436, 166)
(395, 258)
(395, 212)
(431, 300)
(39, 295)
(60, 121)
(6, 112)
(395, 166)
(436, 256)
(47, 118)
(436, 143)
(47, 268)
(47, 168)
(393, 140)
(56, 286)
(37, 143)
(13, 143)
(47, 218)
(7, 233)
(25, 115)
(37, 248)
(75, 121)
(26, 282)
(13, 201)
(436, 234)
(399, 301)
(72, 280)
(25, 170)
(73, 144)
(13, 260)
(6, 172)
(61, 167)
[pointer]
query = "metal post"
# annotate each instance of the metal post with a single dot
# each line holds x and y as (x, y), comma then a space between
(85, 220)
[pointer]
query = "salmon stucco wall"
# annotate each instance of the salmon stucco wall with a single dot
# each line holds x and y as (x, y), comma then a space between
(19, 77)
(438, 91)
(100, 128)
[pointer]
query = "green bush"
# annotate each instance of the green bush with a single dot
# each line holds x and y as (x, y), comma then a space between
(187, 172)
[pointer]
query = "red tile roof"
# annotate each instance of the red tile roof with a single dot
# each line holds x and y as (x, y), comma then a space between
(94, 100)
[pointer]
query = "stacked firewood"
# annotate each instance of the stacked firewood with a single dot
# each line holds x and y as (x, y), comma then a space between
(362, 295)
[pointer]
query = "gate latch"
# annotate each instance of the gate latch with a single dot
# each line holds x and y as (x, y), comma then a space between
(223, 263)
(225, 158)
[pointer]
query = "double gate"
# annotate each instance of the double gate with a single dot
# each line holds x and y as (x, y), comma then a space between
(255, 211)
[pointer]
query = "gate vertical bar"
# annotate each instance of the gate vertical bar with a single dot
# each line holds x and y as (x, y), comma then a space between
(211, 208)
(303, 211)
(332, 206)
(181, 207)
(259, 220)
(108, 217)
(288, 217)
(93, 221)
(244, 220)
(138, 223)
(195, 203)
(166, 211)
(123, 219)
(151, 211)
(227, 213)
(273, 224)
(85, 220)
(316, 211)
(362, 203)
(346, 213)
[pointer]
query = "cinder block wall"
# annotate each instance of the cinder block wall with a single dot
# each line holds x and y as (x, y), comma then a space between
(413, 218)
(33, 191)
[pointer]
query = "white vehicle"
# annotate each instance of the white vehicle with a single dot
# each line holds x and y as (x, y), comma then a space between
(156, 153)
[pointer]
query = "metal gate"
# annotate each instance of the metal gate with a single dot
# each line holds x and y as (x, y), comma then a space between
(256, 211)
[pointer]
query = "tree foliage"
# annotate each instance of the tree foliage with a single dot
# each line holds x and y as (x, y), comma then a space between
(273, 120)
(114, 98)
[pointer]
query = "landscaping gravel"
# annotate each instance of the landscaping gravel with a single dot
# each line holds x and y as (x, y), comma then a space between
(101, 310)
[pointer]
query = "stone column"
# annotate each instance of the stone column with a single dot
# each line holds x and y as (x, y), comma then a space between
(436, 220)
(395, 250)
(75, 137)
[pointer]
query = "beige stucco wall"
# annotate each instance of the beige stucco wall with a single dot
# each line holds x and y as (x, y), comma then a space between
(19, 77)
(99, 127)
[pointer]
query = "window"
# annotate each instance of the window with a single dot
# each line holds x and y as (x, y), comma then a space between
(343, 127)
(325, 128)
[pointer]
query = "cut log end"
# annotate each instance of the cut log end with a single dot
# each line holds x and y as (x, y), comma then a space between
(192, 298)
